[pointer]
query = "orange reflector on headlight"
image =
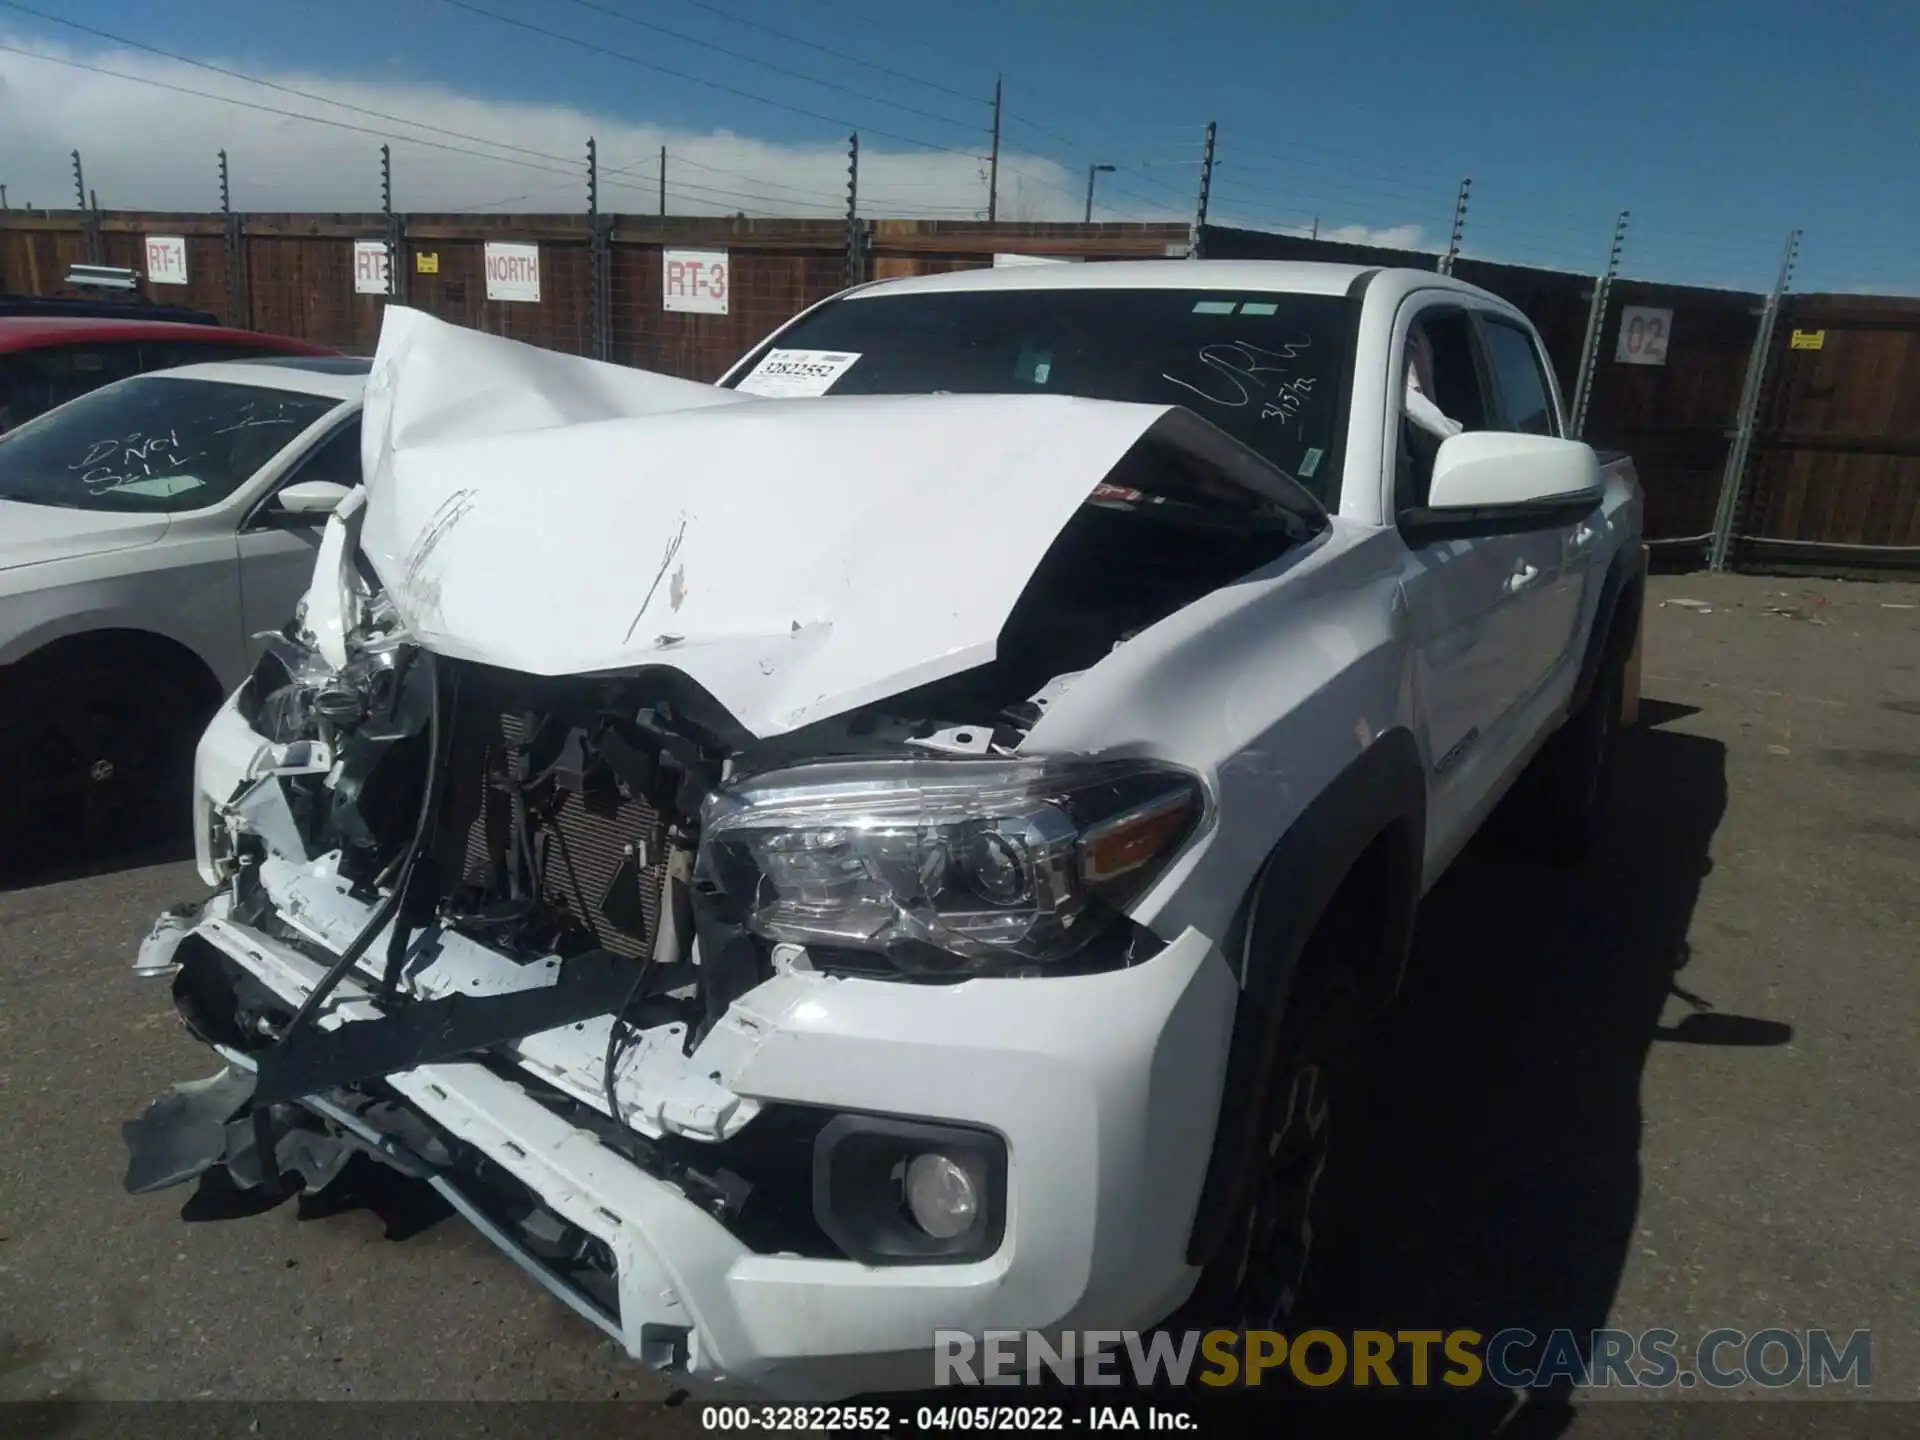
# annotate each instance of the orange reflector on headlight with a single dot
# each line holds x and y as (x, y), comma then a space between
(1127, 841)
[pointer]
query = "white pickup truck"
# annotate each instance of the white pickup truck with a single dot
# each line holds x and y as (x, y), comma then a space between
(894, 843)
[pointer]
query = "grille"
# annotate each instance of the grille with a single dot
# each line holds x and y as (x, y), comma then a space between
(600, 857)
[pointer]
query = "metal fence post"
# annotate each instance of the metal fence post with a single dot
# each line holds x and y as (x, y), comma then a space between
(602, 268)
(856, 267)
(1197, 242)
(396, 232)
(237, 310)
(1459, 226)
(1596, 327)
(1728, 508)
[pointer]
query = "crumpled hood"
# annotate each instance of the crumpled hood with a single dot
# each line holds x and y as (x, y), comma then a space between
(33, 534)
(795, 558)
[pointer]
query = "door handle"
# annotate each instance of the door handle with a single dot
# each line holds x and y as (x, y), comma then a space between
(1522, 578)
(1582, 538)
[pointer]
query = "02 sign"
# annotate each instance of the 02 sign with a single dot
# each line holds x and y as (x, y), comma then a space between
(1643, 335)
(694, 280)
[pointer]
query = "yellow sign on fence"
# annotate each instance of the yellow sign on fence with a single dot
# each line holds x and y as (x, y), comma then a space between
(427, 262)
(1809, 339)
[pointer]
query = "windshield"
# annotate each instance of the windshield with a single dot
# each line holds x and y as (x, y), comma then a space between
(1263, 367)
(152, 443)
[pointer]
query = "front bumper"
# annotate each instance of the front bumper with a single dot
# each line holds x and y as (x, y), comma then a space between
(1104, 1088)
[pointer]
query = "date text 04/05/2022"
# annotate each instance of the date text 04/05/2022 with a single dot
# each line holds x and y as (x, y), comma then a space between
(941, 1419)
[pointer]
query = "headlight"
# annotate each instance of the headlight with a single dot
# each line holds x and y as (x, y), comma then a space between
(947, 865)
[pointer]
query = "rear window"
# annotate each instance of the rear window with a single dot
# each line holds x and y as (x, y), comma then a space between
(1266, 368)
(153, 443)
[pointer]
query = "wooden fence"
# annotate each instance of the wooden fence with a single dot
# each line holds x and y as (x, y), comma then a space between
(1835, 459)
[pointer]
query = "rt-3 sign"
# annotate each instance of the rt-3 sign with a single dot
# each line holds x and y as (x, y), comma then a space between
(694, 280)
(166, 260)
(1643, 335)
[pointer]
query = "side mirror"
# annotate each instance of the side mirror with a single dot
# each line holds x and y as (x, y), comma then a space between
(1492, 467)
(1491, 482)
(310, 497)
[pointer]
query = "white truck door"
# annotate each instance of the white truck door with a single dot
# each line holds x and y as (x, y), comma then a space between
(1468, 599)
(277, 549)
(1563, 554)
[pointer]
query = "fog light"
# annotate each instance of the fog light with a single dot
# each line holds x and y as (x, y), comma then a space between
(941, 1196)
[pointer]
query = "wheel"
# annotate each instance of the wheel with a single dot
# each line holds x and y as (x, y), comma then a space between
(1260, 1270)
(96, 763)
(1557, 806)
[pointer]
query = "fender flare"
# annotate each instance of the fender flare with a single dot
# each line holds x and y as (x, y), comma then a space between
(1615, 620)
(1381, 796)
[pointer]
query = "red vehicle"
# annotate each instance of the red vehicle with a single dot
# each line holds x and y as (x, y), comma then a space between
(46, 360)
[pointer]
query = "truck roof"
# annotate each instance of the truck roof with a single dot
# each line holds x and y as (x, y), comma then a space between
(1294, 276)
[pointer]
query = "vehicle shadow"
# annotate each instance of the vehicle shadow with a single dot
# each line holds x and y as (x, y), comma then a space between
(1487, 1170)
(58, 863)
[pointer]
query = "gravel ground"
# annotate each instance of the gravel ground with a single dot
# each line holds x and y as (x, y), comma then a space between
(1672, 1087)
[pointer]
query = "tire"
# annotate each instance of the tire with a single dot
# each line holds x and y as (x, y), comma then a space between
(1262, 1267)
(96, 763)
(1558, 806)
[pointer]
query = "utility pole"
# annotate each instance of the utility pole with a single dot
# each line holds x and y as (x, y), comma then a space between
(993, 159)
(663, 182)
(79, 182)
(1093, 170)
(1728, 510)
(3, 199)
(1459, 226)
(1316, 228)
(1206, 191)
(855, 270)
(1596, 327)
(226, 195)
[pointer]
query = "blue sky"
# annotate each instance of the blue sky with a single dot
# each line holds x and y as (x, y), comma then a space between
(1719, 126)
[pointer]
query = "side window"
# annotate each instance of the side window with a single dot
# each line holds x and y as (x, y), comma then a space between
(43, 378)
(1443, 396)
(1525, 403)
(337, 459)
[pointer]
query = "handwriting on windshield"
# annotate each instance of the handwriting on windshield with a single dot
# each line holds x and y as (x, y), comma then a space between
(1239, 374)
(130, 459)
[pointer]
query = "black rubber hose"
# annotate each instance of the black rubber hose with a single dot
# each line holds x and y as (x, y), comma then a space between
(389, 907)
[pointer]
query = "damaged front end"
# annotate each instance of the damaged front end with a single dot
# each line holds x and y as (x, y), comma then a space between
(719, 976)
(598, 897)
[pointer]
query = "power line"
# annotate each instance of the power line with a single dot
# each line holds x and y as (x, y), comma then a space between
(724, 89)
(276, 110)
(271, 85)
(837, 54)
(791, 73)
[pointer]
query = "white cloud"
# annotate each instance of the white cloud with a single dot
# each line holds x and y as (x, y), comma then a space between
(150, 148)
(1393, 237)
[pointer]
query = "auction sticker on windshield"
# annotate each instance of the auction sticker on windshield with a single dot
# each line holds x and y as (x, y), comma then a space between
(786, 374)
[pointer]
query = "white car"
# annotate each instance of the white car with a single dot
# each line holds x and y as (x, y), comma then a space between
(803, 874)
(147, 528)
